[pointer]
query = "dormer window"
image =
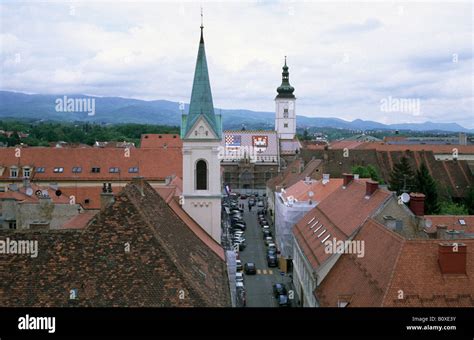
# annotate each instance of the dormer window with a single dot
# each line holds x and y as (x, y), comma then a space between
(58, 170)
(114, 170)
(40, 170)
(133, 170)
(95, 170)
(14, 172)
(76, 170)
(26, 172)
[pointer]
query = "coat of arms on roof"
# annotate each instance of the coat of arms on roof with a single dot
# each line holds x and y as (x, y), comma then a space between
(260, 143)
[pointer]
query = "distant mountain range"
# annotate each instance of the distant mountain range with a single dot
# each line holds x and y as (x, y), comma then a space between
(124, 110)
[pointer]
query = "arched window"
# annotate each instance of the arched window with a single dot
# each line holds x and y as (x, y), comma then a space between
(201, 175)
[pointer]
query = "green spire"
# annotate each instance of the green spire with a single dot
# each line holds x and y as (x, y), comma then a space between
(201, 97)
(285, 90)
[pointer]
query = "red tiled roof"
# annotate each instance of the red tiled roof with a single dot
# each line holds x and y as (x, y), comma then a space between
(392, 265)
(151, 140)
(340, 214)
(20, 194)
(361, 281)
(301, 189)
(80, 221)
(452, 222)
(293, 174)
(349, 144)
(435, 148)
(153, 163)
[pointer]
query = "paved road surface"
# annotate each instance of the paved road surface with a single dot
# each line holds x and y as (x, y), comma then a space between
(259, 287)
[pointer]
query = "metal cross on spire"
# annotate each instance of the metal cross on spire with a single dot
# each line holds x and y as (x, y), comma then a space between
(202, 19)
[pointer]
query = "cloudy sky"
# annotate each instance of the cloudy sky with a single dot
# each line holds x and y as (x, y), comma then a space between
(345, 58)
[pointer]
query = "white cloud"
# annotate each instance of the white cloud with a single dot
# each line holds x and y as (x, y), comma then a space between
(343, 57)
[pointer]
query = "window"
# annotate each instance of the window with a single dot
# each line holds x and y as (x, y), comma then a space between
(285, 125)
(2, 189)
(58, 170)
(201, 175)
(462, 222)
(12, 225)
(95, 170)
(114, 170)
(133, 170)
(26, 172)
(285, 113)
(40, 170)
(77, 169)
(14, 172)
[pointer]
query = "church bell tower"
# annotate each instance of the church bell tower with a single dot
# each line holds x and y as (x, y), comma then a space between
(285, 118)
(201, 132)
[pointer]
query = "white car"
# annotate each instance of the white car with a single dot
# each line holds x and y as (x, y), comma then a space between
(239, 277)
(265, 227)
(268, 241)
(272, 246)
(240, 285)
(239, 265)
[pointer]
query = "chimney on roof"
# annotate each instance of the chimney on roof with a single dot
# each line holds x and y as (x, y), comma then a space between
(139, 181)
(371, 187)
(347, 179)
(441, 230)
(452, 258)
(106, 196)
(417, 203)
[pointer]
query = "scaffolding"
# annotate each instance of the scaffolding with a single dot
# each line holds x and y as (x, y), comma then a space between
(287, 214)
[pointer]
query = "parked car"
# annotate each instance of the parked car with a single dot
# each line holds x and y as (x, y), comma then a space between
(271, 251)
(263, 222)
(260, 204)
(239, 226)
(239, 277)
(272, 246)
(250, 268)
(283, 301)
(266, 233)
(239, 265)
(265, 228)
(243, 197)
(251, 201)
(240, 285)
(268, 240)
(272, 261)
(279, 289)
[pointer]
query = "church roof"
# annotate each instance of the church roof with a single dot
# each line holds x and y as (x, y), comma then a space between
(285, 90)
(201, 97)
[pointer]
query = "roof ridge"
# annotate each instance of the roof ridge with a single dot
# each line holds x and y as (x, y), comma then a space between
(392, 274)
(166, 248)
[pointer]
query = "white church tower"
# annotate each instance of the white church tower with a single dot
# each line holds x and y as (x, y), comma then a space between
(285, 118)
(201, 132)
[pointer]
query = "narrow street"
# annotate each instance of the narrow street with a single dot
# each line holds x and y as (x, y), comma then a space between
(259, 287)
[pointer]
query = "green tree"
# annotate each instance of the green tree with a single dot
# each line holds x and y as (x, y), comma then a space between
(402, 178)
(451, 208)
(427, 185)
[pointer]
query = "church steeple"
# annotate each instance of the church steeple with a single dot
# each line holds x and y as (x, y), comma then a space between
(201, 104)
(285, 90)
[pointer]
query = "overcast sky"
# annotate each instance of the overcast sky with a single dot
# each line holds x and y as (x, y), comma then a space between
(344, 57)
